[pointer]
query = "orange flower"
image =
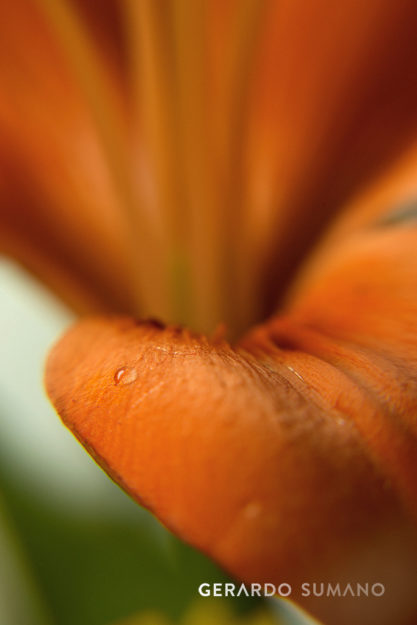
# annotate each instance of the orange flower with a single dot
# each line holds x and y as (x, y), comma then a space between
(178, 159)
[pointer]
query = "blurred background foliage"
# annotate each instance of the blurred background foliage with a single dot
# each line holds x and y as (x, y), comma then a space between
(74, 549)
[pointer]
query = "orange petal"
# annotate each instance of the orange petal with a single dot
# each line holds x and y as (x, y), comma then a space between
(334, 102)
(257, 460)
(293, 456)
(58, 211)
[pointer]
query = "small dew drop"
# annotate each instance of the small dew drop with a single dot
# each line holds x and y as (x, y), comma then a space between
(252, 510)
(295, 373)
(160, 348)
(125, 375)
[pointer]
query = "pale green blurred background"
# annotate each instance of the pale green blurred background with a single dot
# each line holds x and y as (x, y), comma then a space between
(74, 549)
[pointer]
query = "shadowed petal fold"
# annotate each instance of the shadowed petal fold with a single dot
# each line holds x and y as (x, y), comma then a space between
(334, 102)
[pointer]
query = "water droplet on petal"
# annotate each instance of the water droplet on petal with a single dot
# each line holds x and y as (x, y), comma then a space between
(295, 372)
(252, 510)
(125, 375)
